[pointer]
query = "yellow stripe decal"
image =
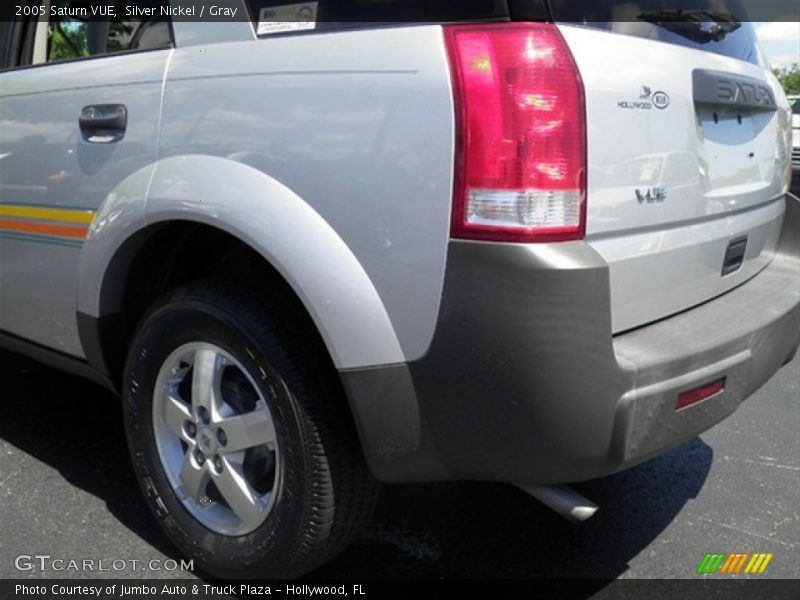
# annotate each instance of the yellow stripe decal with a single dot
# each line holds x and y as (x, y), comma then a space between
(767, 558)
(47, 214)
(755, 562)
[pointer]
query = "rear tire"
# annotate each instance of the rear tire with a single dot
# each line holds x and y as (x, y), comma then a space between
(286, 487)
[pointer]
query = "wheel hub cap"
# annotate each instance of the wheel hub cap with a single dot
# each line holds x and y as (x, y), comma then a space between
(206, 428)
(206, 439)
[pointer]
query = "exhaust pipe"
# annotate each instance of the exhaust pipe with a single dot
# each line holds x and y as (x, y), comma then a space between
(562, 499)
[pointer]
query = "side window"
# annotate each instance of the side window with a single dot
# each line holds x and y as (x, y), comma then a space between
(73, 31)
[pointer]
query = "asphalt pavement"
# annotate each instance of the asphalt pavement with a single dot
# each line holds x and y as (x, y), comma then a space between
(68, 491)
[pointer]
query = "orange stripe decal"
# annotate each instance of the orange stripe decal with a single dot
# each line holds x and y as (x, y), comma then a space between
(741, 562)
(46, 229)
(728, 562)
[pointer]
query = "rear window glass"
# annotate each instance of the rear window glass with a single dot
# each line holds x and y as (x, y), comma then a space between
(271, 17)
(719, 26)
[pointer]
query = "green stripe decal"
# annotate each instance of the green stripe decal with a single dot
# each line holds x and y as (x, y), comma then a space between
(711, 562)
(702, 567)
(715, 563)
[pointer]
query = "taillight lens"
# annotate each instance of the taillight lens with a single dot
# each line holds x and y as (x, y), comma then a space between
(521, 155)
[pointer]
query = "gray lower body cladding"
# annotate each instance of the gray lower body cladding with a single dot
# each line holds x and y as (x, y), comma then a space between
(524, 381)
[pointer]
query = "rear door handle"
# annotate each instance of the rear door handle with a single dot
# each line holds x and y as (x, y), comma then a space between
(103, 123)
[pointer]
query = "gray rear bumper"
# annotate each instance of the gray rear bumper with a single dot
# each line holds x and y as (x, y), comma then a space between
(524, 381)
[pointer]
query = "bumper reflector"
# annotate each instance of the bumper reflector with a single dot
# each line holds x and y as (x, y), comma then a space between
(699, 394)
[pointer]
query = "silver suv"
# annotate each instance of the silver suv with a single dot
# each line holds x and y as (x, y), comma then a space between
(314, 246)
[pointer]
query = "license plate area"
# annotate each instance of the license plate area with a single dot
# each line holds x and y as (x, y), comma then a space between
(730, 140)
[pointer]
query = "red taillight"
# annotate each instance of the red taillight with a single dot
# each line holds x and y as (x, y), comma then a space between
(696, 395)
(521, 156)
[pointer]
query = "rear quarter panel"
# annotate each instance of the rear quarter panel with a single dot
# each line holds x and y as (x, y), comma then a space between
(359, 125)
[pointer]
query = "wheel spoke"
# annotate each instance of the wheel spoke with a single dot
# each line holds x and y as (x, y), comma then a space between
(248, 430)
(194, 478)
(240, 497)
(204, 381)
(176, 413)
